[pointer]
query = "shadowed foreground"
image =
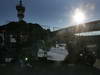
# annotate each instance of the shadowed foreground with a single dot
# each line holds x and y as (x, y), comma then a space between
(49, 69)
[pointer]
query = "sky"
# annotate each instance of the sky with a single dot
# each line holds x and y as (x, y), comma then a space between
(50, 13)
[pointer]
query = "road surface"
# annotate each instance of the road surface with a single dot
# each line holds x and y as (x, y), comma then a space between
(48, 69)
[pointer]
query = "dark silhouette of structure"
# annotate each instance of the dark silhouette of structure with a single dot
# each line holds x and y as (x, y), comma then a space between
(20, 10)
(75, 43)
(21, 39)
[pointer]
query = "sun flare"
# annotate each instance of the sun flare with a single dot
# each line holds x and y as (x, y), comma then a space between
(79, 16)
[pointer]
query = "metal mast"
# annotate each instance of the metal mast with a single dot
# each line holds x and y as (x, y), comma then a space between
(20, 10)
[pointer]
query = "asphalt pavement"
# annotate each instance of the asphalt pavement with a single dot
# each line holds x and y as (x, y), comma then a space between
(49, 69)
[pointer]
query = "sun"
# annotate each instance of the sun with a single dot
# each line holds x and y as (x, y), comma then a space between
(79, 16)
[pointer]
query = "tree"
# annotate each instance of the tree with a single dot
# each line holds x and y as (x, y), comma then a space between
(27, 37)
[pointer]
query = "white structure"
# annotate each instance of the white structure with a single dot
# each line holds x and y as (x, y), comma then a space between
(57, 53)
(40, 53)
(12, 39)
